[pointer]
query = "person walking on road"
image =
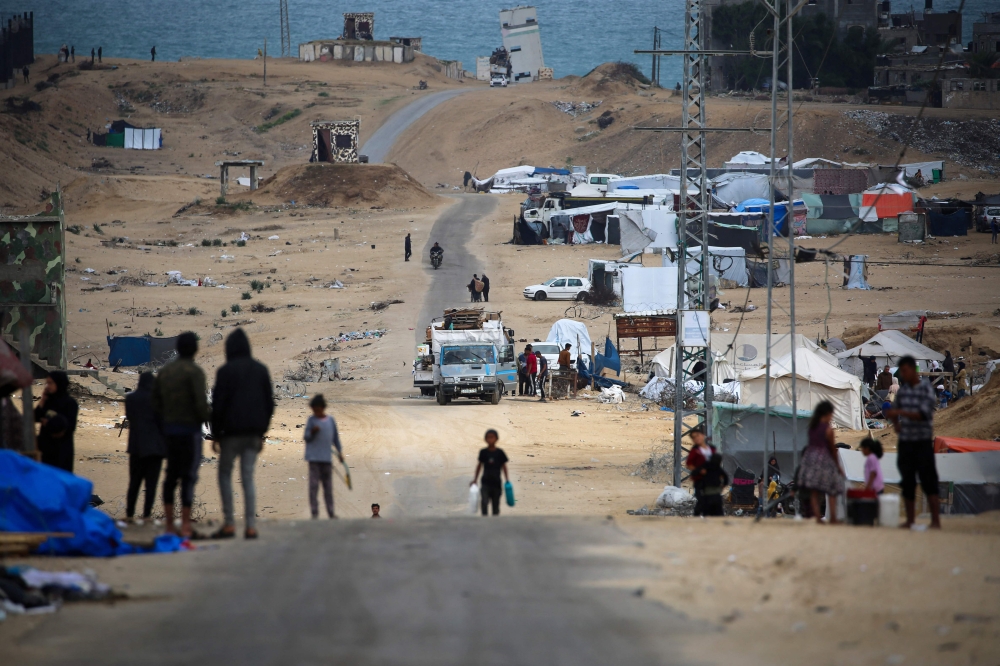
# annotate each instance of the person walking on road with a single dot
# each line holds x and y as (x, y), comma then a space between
(492, 461)
(180, 402)
(476, 288)
(146, 448)
(322, 438)
(242, 406)
(152, 54)
(486, 288)
(820, 471)
(912, 414)
(407, 248)
(543, 374)
(57, 412)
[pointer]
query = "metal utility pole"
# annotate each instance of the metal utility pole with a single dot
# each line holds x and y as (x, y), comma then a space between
(693, 293)
(286, 39)
(655, 71)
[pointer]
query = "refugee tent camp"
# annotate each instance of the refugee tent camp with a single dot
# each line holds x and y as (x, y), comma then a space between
(748, 158)
(732, 188)
(572, 332)
(817, 380)
(887, 347)
(649, 289)
(969, 482)
(728, 263)
(746, 351)
(886, 201)
(832, 213)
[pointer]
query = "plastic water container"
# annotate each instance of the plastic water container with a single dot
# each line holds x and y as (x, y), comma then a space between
(888, 510)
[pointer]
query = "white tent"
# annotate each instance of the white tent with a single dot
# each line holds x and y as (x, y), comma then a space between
(748, 158)
(664, 362)
(738, 186)
(817, 381)
(749, 349)
(816, 163)
(137, 138)
(573, 332)
(649, 289)
(887, 347)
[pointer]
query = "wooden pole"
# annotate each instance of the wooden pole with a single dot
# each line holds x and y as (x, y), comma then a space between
(27, 402)
(265, 61)
(593, 380)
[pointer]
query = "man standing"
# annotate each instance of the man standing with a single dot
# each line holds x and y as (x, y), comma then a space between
(93, 54)
(180, 402)
(913, 417)
(543, 374)
(884, 381)
(486, 288)
(24, 71)
(72, 52)
(995, 228)
(949, 366)
(565, 359)
(491, 461)
(99, 53)
(407, 250)
(522, 371)
(531, 363)
(152, 54)
(242, 406)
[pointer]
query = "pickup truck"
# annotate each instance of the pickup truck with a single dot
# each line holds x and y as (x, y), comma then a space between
(556, 205)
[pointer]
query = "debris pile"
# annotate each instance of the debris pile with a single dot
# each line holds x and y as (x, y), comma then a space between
(358, 335)
(382, 305)
(971, 142)
(576, 108)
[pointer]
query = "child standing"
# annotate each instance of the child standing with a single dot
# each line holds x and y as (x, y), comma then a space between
(321, 438)
(713, 480)
(872, 450)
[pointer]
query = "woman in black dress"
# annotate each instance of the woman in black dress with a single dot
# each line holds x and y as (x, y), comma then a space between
(57, 413)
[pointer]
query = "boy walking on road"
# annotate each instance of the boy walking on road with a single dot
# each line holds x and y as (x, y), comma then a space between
(180, 402)
(492, 461)
(322, 437)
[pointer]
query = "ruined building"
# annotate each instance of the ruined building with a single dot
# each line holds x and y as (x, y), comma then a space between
(523, 41)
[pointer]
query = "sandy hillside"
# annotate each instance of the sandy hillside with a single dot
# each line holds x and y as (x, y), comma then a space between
(411, 455)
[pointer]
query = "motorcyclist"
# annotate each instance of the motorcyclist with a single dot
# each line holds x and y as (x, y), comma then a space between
(437, 251)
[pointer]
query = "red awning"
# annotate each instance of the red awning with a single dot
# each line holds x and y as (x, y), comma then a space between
(963, 445)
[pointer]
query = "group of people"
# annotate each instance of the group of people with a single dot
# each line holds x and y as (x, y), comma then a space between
(68, 54)
(479, 288)
(532, 371)
(821, 473)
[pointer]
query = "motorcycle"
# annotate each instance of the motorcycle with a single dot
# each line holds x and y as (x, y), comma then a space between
(436, 260)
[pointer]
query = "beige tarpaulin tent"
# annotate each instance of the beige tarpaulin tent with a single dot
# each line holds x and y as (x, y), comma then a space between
(663, 366)
(888, 347)
(817, 381)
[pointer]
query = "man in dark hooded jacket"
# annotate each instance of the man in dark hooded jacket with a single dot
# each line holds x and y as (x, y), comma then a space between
(242, 405)
(146, 446)
(57, 413)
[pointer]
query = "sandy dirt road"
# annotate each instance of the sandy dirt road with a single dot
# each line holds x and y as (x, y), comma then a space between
(377, 146)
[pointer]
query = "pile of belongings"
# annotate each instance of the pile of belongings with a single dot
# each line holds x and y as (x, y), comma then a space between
(26, 590)
(40, 498)
(611, 395)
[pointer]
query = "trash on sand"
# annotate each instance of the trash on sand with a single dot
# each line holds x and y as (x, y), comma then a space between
(275, 237)
(577, 412)
(89, 270)
(675, 498)
(612, 395)
(337, 284)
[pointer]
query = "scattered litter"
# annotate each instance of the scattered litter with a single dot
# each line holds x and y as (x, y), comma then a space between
(577, 412)
(89, 270)
(611, 395)
(275, 237)
(382, 305)
(677, 499)
(337, 284)
(576, 108)
(358, 335)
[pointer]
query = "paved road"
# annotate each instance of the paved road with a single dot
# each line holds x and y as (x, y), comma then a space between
(379, 144)
(452, 229)
(461, 591)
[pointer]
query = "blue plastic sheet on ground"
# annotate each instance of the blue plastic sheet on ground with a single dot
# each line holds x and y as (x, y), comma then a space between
(128, 351)
(609, 359)
(41, 498)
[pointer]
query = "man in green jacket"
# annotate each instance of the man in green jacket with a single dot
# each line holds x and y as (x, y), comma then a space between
(181, 402)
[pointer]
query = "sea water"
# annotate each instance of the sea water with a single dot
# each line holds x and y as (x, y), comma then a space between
(577, 35)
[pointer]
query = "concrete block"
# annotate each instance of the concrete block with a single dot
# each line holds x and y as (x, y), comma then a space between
(369, 53)
(338, 51)
(397, 54)
(359, 54)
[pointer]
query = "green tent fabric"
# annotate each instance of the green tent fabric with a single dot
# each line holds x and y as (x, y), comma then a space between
(116, 140)
(821, 227)
(817, 225)
(814, 205)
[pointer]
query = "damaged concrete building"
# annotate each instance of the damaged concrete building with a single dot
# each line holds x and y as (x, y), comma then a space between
(523, 41)
(357, 43)
(335, 141)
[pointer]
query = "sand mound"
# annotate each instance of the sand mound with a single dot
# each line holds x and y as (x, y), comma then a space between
(367, 185)
(612, 78)
(976, 417)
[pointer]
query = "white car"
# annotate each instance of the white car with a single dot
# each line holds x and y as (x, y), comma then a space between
(569, 288)
(498, 80)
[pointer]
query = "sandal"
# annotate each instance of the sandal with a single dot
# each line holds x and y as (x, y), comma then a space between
(251, 533)
(224, 532)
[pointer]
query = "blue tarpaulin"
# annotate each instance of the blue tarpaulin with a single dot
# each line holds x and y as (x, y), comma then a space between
(954, 224)
(128, 351)
(547, 170)
(591, 375)
(609, 359)
(40, 498)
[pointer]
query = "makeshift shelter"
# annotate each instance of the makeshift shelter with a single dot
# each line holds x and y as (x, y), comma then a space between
(963, 445)
(663, 365)
(140, 350)
(635, 235)
(887, 347)
(728, 263)
(731, 188)
(572, 332)
(911, 227)
(886, 200)
(746, 351)
(817, 381)
(527, 233)
(763, 207)
(649, 289)
(729, 235)
(748, 158)
(738, 433)
(949, 224)
(856, 272)
(969, 482)
(832, 213)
